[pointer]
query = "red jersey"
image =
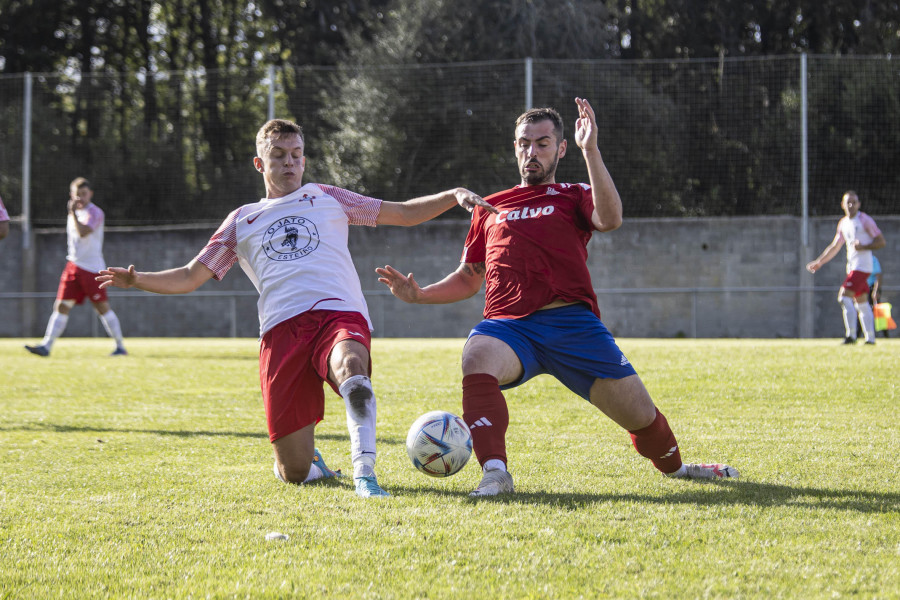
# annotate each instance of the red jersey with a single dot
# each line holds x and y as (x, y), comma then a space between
(535, 249)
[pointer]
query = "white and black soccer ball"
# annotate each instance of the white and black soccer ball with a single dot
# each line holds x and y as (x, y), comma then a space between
(439, 443)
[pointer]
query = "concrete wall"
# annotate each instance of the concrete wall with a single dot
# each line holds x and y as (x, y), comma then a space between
(697, 272)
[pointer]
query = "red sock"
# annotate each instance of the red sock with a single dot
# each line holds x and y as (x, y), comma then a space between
(657, 442)
(486, 414)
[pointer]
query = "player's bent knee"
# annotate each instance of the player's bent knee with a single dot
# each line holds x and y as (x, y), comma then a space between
(294, 473)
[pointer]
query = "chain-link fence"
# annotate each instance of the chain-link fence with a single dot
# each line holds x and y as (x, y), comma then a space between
(681, 138)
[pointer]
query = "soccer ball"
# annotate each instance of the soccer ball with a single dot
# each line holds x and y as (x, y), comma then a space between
(439, 443)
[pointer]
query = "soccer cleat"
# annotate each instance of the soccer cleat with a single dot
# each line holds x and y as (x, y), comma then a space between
(367, 487)
(710, 471)
(870, 343)
(39, 350)
(849, 340)
(493, 482)
(320, 462)
(119, 352)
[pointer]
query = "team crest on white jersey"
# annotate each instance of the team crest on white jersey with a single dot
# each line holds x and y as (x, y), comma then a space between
(290, 238)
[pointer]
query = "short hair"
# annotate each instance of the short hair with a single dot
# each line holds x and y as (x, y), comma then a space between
(80, 182)
(850, 193)
(275, 128)
(536, 115)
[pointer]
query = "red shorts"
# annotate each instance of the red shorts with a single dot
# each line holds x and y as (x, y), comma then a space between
(293, 363)
(77, 284)
(856, 283)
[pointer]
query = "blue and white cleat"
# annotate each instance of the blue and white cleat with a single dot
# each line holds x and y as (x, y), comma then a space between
(119, 352)
(320, 462)
(367, 487)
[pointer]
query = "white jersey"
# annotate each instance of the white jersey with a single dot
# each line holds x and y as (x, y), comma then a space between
(294, 250)
(86, 252)
(863, 228)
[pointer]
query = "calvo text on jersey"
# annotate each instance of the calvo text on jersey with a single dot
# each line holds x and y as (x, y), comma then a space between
(290, 238)
(524, 213)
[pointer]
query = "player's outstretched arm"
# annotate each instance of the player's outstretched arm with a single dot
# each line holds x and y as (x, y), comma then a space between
(173, 281)
(419, 210)
(827, 254)
(459, 285)
(607, 203)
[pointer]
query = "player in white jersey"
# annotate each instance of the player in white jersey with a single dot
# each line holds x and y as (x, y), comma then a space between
(313, 319)
(858, 232)
(84, 233)
(4, 221)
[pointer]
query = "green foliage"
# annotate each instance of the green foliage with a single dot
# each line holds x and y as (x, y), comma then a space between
(158, 102)
(150, 476)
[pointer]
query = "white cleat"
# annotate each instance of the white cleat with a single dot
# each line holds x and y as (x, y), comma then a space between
(709, 471)
(495, 481)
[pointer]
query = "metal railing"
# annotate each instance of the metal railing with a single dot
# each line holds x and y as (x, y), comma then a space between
(378, 314)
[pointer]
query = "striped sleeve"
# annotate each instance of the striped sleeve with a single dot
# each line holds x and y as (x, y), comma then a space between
(219, 253)
(360, 210)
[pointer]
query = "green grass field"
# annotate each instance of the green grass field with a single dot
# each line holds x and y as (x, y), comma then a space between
(150, 476)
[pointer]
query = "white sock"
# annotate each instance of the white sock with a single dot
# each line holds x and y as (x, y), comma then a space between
(681, 472)
(494, 464)
(314, 473)
(111, 324)
(55, 327)
(849, 309)
(867, 318)
(359, 400)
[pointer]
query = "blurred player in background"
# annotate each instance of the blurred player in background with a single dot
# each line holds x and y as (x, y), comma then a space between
(858, 232)
(84, 231)
(874, 283)
(541, 313)
(4, 221)
(314, 322)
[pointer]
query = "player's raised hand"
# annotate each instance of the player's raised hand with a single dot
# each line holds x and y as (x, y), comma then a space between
(117, 277)
(404, 287)
(469, 200)
(585, 125)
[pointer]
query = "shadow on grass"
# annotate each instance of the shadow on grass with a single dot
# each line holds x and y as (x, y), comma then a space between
(733, 493)
(51, 427)
(195, 357)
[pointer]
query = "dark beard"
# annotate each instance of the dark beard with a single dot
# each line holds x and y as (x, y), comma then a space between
(540, 177)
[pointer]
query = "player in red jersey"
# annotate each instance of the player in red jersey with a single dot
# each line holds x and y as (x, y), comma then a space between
(541, 313)
(314, 323)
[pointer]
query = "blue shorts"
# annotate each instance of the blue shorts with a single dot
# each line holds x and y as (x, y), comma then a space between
(570, 342)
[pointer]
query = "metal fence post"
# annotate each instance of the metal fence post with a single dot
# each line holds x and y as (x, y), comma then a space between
(29, 248)
(805, 298)
(26, 163)
(271, 93)
(529, 68)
